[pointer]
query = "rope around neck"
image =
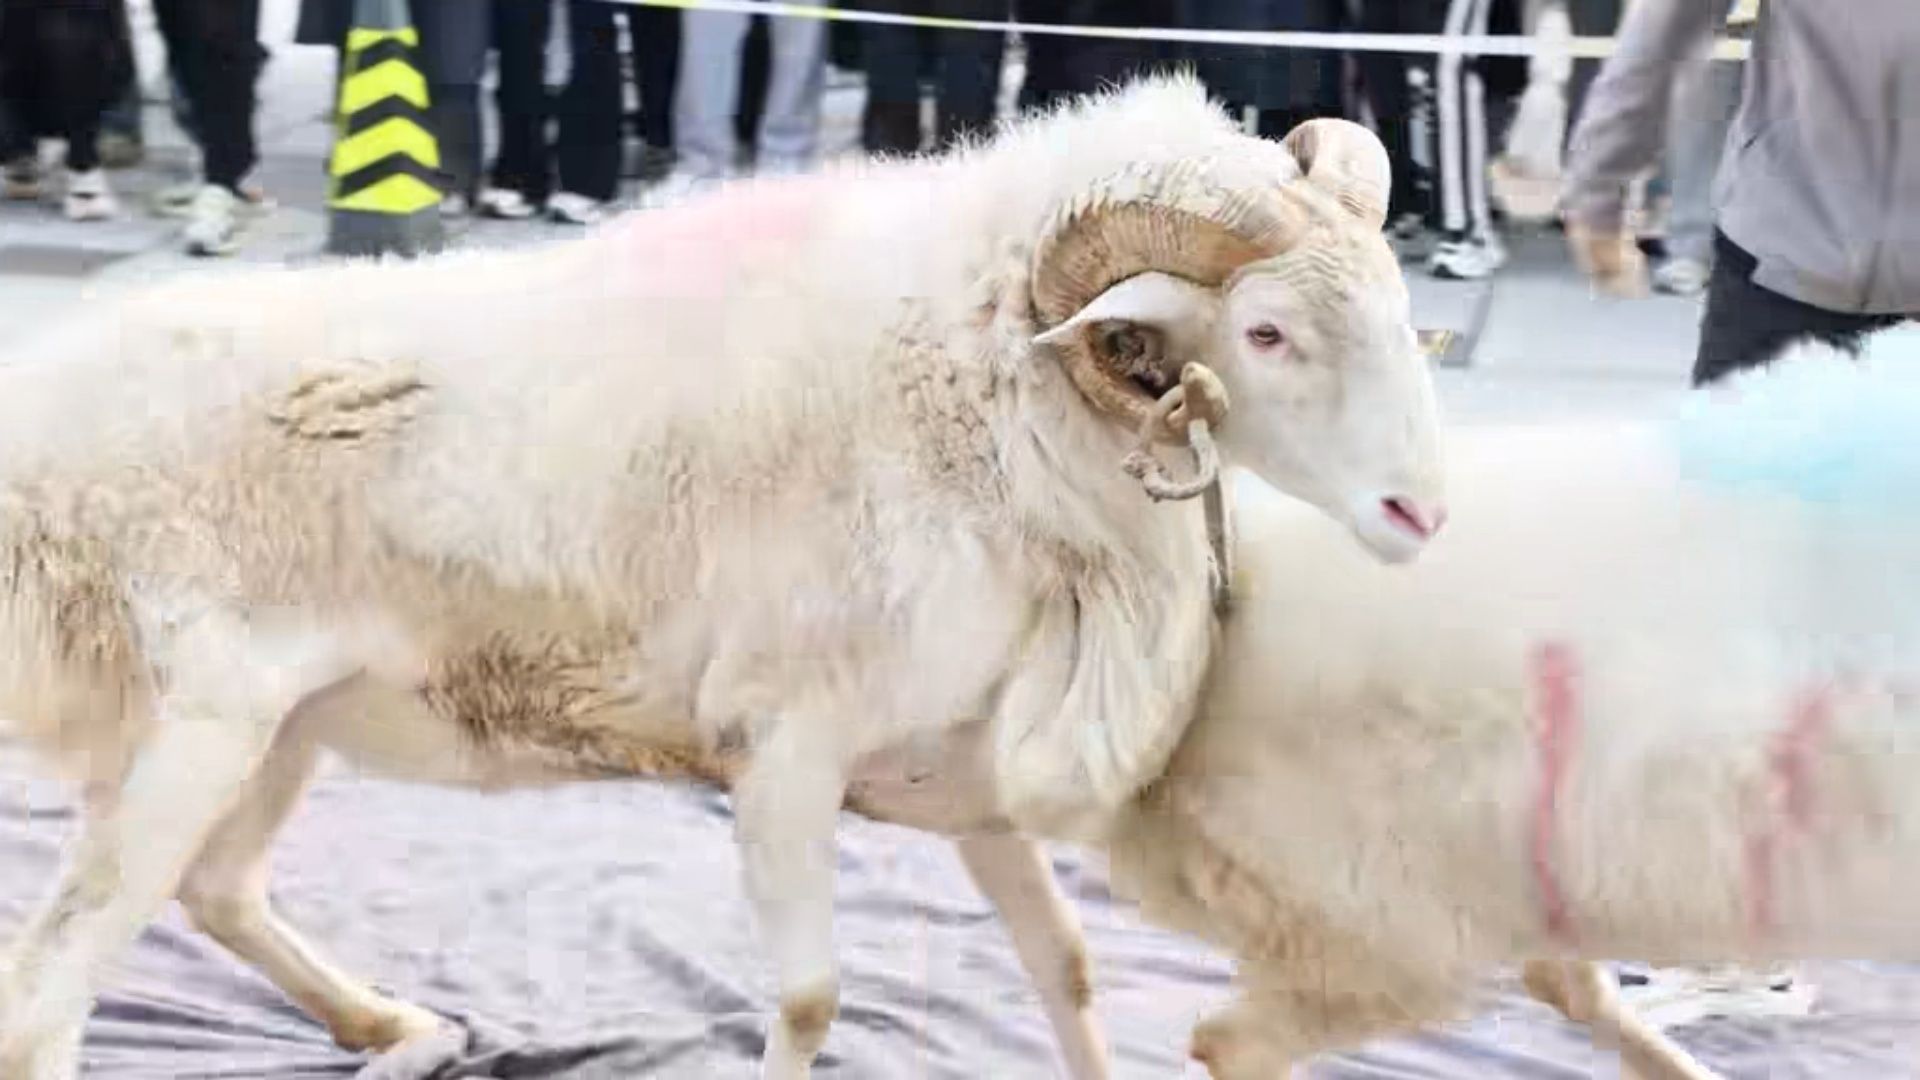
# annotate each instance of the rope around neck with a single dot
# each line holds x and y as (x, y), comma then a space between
(1189, 413)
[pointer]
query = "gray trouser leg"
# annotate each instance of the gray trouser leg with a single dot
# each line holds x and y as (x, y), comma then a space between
(790, 127)
(1706, 101)
(704, 103)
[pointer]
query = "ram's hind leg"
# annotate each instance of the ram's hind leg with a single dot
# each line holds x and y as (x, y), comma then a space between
(224, 700)
(1012, 872)
(225, 893)
(1584, 993)
(1286, 1015)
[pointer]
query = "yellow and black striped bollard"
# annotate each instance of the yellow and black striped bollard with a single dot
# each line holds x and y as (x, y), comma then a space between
(385, 193)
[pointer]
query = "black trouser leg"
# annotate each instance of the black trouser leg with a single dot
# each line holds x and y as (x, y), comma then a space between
(589, 144)
(1386, 80)
(1747, 325)
(890, 55)
(756, 62)
(217, 45)
(78, 64)
(969, 71)
(520, 31)
(655, 37)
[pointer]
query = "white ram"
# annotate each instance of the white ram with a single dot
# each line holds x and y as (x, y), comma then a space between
(802, 489)
(1656, 695)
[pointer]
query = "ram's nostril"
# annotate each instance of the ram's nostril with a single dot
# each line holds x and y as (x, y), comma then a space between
(1407, 514)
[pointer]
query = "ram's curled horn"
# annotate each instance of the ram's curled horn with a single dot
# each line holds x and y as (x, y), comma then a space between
(1347, 161)
(1196, 220)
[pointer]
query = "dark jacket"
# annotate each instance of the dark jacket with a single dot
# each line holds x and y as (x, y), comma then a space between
(1263, 77)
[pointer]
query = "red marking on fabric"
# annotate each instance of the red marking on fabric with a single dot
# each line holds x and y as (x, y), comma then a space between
(1554, 675)
(1790, 799)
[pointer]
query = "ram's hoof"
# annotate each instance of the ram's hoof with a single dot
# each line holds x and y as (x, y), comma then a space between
(383, 1027)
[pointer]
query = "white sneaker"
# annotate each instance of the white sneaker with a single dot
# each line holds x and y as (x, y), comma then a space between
(678, 187)
(1682, 277)
(454, 205)
(213, 222)
(1468, 259)
(1674, 997)
(506, 204)
(89, 198)
(569, 208)
(176, 200)
(21, 178)
(1407, 235)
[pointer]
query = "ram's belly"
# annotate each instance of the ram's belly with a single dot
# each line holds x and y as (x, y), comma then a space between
(940, 783)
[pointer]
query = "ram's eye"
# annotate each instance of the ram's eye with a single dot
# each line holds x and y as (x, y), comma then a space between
(1266, 336)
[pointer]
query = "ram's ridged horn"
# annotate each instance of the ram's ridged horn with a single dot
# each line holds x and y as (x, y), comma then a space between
(1196, 219)
(1346, 161)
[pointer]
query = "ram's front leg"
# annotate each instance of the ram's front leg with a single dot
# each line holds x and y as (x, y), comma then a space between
(786, 804)
(1012, 872)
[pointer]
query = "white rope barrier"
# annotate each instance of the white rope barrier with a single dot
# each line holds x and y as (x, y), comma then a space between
(1439, 44)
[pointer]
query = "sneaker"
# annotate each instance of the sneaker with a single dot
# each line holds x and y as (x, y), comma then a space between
(454, 205)
(119, 150)
(1467, 258)
(649, 163)
(1682, 277)
(678, 187)
(176, 200)
(21, 178)
(505, 204)
(213, 221)
(1409, 238)
(1674, 997)
(89, 198)
(568, 208)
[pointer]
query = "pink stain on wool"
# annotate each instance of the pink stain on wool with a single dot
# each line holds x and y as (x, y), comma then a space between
(1791, 793)
(702, 247)
(1554, 675)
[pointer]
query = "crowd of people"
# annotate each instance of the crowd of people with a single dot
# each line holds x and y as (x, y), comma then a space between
(721, 93)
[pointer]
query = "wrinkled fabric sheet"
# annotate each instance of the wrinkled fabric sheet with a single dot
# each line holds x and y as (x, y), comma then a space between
(600, 932)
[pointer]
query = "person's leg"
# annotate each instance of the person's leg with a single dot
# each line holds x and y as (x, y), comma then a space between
(1478, 132)
(122, 138)
(756, 64)
(217, 43)
(1747, 326)
(590, 145)
(1469, 248)
(1384, 81)
(790, 130)
(1047, 55)
(1703, 113)
(709, 91)
(453, 58)
(84, 64)
(522, 171)
(1589, 18)
(655, 34)
(969, 65)
(890, 55)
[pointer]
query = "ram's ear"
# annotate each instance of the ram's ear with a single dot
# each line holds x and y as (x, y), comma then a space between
(1173, 308)
(1126, 347)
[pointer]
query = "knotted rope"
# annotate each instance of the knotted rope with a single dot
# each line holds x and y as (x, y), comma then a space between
(1189, 413)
